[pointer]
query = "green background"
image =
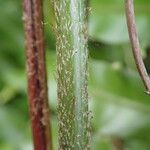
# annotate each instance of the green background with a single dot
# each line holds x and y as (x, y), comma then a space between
(120, 108)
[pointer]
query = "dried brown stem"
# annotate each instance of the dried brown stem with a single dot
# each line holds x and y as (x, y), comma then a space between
(36, 72)
(129, 6)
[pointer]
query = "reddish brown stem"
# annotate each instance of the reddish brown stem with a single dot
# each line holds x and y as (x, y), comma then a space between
(36, 72)
(135, 43)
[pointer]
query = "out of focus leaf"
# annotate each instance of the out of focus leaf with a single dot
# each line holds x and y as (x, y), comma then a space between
(108, 23)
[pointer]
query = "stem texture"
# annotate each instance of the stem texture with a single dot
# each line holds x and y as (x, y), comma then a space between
(36, 72)
(129, 6)
(72, 57)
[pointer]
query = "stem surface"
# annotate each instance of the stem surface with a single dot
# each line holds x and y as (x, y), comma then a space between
(72, 57)
(36, 72)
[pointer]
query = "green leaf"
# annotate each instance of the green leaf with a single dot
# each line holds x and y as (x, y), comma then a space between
(108, 22)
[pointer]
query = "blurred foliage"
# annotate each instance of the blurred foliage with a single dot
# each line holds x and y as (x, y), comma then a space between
(120, 108)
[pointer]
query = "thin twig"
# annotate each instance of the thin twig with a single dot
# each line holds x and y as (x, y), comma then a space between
(36, 72)
(129, 6)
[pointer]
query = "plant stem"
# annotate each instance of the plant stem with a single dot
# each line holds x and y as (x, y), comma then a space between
(129, 6)
(118, 143)
(72, 57)
(36, 72)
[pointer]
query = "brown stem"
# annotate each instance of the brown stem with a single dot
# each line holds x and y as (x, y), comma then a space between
(129, 6)
(36, 72)
(118, 143)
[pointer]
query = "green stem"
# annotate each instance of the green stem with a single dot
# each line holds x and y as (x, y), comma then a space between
(72, 57)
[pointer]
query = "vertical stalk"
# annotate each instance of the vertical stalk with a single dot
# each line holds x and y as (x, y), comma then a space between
(36, 72)
(72, 58)
(134, 40)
